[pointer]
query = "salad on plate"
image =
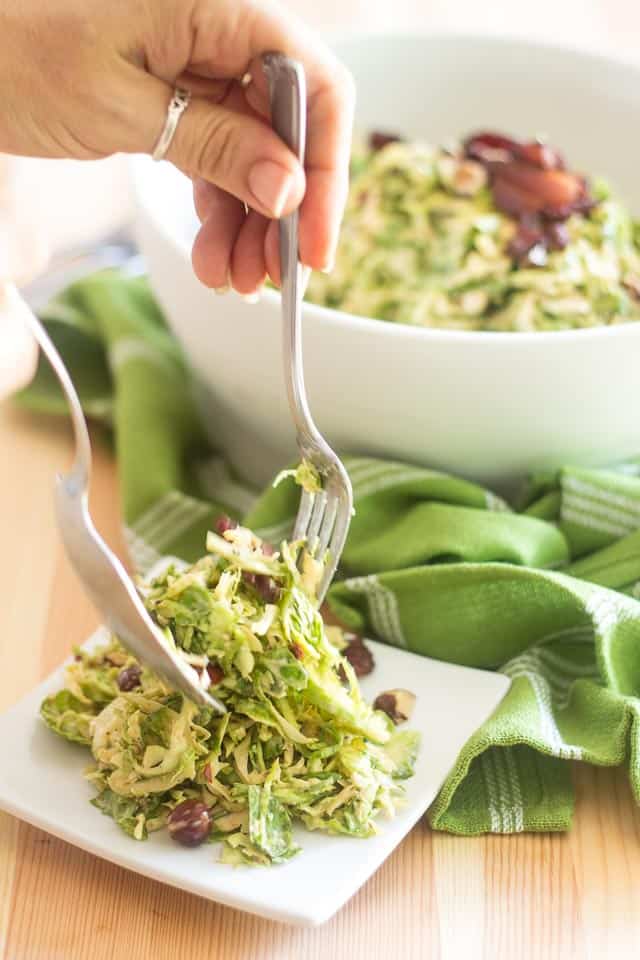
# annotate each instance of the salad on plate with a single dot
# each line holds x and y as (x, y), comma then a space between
(298, 743)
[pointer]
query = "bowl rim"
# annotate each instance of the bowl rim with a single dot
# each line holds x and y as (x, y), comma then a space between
(334, 317)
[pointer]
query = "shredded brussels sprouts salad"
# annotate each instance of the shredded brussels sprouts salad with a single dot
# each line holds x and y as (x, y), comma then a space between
(496, 238)
(298, 743)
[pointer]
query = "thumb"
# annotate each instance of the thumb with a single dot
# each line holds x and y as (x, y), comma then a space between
(236, 151)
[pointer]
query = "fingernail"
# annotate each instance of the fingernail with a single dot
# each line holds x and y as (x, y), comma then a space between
(329, 267)
(271, 185)
(252, 297)
(305, 277)
(226, 286)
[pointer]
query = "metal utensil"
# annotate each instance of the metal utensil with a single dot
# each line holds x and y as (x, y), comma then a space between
(323, 518)
(102, 574)
(116, 251)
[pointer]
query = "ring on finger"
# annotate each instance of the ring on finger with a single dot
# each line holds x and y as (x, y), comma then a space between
(177, 106)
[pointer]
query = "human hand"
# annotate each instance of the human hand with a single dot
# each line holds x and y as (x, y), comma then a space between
(85, 79)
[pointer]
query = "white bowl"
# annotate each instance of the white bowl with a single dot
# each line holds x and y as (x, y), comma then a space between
(490, 406)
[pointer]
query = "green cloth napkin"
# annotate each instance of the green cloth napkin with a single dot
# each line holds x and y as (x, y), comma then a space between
(547, 593)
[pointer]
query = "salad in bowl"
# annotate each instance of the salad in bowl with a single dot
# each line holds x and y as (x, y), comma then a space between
(438, 339)
(490, 234)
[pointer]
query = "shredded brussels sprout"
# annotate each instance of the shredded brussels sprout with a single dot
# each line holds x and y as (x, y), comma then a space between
(305, 475)
(298, 744)
(422, 243)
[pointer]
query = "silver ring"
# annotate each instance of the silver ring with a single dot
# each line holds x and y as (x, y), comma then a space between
(179, 103)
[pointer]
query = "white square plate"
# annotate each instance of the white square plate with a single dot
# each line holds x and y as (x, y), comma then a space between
(42, 783)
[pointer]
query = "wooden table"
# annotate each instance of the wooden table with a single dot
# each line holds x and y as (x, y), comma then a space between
(501, 898)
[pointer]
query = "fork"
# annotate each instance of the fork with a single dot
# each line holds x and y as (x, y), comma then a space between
(323, 517)
(102, 574)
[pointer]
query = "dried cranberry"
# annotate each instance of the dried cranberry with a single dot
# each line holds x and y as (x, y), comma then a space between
(268, 589)
(215, 673)
(557, 235)
(527, 236)
(540, 155)
(530, 179)
(225, 523)
(509, 199)
(129, 678)
(379, 139)
(189, 823)
(519, 188)
(264, 585)
(359, 656)
(297, 651)
(490, 148)
(584, 203)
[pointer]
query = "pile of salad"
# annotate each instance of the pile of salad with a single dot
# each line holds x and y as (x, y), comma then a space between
(298, 743)
(491, 234)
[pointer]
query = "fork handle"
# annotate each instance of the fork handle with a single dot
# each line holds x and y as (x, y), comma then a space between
(288, 97)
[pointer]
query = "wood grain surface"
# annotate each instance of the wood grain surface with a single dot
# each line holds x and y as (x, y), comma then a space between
(530, 897)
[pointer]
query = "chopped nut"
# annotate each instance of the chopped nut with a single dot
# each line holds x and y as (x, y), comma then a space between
(460, 176)
(189, 823)
(242, 538)
(216, 673)
(446, 168)
(469, 178)
(474, 302)
(397, 704)
(129, 678)
(115, 658)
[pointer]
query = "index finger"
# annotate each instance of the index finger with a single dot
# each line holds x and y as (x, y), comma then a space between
(253, 30)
